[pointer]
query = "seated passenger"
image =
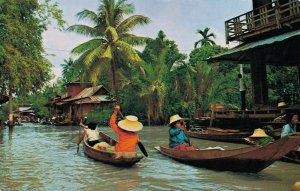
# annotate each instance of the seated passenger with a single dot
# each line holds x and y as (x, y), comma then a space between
(90, 132)
(290, 127)
(259, 137)
(177, 132)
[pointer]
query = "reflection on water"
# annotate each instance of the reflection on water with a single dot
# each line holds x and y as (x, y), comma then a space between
(35, 157)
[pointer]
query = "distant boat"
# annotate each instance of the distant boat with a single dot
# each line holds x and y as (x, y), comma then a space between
(59, 121)
(249, 159)
(217, 134)
(109, 157)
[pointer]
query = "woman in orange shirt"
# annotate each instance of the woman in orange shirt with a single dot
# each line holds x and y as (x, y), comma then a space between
(127, 133)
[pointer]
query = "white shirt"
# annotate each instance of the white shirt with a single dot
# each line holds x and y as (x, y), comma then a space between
(242, 85)
(92, 135)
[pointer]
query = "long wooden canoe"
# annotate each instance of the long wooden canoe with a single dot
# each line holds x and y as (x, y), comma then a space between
(108, 157)
(247, 159)
(220, 136)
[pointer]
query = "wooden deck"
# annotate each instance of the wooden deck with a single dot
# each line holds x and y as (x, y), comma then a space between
(249, 119)
(267, 18)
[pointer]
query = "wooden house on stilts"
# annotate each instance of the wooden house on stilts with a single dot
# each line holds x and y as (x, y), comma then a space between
(79, 100)
(268, 35)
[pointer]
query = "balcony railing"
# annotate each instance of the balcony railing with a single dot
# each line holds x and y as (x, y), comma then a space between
(263, 19)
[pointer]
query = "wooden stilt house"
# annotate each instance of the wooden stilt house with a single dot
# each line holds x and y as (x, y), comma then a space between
(268, 35)
(80, 100)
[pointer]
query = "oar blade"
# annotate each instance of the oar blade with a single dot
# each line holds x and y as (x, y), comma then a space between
(142, 148)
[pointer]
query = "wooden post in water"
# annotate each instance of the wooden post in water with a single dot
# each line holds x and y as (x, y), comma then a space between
(10, 113)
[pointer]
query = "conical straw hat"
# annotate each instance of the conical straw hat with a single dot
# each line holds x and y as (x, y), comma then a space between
(296, 186)
(281, 104)
(174, 118)
(259, 133)
(130, 123)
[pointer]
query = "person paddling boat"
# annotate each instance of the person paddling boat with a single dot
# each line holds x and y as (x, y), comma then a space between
(127, 134)
(177, 132)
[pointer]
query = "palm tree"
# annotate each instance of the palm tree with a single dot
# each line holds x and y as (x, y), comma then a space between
(154, 86)
(151, 82)
(185, 73)
(111, 41)
(205, 37)
(70, 71)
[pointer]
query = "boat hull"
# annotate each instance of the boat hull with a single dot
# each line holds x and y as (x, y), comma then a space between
(251, 159)
(109, 157)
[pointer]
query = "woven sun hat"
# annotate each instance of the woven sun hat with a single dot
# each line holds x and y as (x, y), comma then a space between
(130, 123)
(175, 118)
(296, 186)
(281, 104)
(259, 133)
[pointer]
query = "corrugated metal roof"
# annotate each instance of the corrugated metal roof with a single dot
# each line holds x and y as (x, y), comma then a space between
(87, 92)
(238, 53)
(95, 99)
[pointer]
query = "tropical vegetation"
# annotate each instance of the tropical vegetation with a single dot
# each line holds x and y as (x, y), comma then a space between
(23, 65)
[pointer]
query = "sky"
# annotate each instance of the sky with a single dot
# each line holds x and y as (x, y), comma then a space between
(179, 19)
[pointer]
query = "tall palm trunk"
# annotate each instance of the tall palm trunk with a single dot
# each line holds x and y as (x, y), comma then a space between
(113, 72)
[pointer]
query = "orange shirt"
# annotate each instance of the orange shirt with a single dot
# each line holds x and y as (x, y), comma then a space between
(127, 141)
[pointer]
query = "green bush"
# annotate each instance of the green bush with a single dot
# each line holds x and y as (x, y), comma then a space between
(101, 117)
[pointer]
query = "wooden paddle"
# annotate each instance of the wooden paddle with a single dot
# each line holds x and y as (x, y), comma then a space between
(140, 144)
(186, 133)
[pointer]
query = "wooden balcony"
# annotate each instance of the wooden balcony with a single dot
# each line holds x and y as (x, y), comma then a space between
(264, 21)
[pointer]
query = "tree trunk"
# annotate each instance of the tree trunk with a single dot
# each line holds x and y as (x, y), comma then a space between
(114, 84)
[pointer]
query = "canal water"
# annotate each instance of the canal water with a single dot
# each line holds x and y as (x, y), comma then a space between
(37, 157)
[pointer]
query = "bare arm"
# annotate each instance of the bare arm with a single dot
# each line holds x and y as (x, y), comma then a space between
(81, 137)
(82, 125)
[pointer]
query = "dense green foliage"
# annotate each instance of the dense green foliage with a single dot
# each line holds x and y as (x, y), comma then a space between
(24, 68)
(282, 82)
(23, 65)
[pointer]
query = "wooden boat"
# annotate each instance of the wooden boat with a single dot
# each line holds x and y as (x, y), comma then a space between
(249, 159)
(62, 123)
(108, 157)
(292, 157)
(216, 134)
